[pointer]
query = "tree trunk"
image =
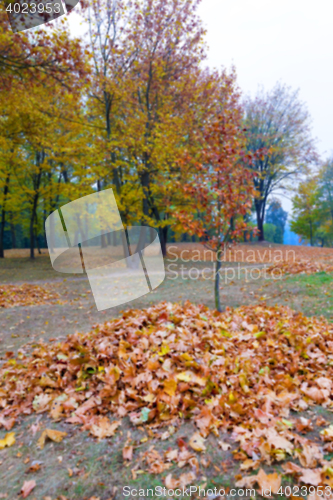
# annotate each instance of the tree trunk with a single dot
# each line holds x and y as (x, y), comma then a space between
(163, 234)
(260, 212)
(104, 242)
(311, 236)
(217, 279)
(36, 182)
(32, 237)
(13, 235)
(3, 215)
(260, 225)
(37, 243)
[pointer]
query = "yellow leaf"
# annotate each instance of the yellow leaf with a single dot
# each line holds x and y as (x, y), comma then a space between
(56, 436)
(197, 442)
(164, 350)
(184, 376)
(170, 387)
(191, 377)
(149, 398)
(8, 440)
(232, 398)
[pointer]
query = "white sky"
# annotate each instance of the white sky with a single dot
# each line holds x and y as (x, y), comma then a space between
(267, 41)
(288, 40)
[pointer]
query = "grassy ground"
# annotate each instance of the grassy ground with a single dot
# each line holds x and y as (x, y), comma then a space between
(79, 467)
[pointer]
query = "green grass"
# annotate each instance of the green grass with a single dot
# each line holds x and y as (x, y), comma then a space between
(313, 295)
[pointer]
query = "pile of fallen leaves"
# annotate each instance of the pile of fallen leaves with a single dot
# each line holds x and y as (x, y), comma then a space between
(300, 267)
(25, 295)
(242, 371)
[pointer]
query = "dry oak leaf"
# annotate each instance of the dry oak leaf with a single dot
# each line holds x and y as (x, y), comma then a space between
(56, 436)
(27, 488)
(104, 428)
(197, 442)
(8, 440)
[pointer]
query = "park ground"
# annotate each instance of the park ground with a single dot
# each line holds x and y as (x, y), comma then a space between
(80, 467)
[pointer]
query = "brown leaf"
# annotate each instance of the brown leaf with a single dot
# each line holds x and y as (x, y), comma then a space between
(197, 442)
(128, 453)
(171, 483)
(56, 436)
(224, 446)
(27, 488)
(187, 478)
(104, 428)
(309, 455)
(7, 423)
(34, 467)
(267, 481)
(311, 476)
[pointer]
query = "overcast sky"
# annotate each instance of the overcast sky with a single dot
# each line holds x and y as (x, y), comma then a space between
(289, 40)
(267, 41)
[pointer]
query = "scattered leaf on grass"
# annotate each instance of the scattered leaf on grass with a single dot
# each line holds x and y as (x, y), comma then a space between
(197, 442)
(8, 440)
(128, 452)
(104, 428)
(56, 436)
(27, 488)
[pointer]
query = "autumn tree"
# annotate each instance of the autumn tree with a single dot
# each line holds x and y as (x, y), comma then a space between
(146, 58)
(306, 211)
(220, 191)
(278, 121)
(51, 53)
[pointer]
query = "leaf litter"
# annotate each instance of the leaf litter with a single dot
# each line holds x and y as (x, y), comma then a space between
(242, 371)
(25, 295)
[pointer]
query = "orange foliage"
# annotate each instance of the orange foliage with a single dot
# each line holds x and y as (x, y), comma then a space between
(25, 295)
(242, 370)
